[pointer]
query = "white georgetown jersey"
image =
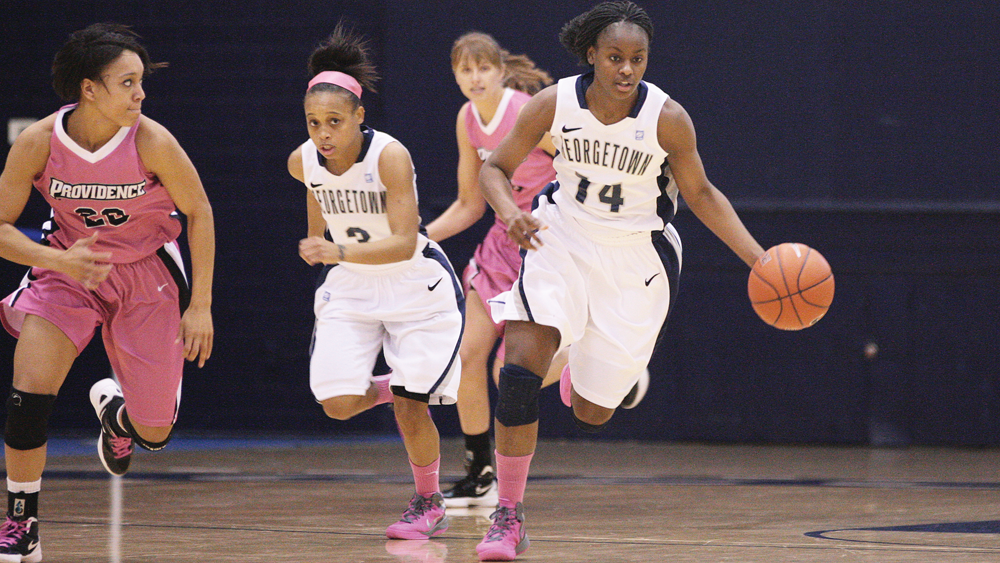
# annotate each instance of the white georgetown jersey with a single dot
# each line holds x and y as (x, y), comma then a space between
(613, 175)
(354, 203)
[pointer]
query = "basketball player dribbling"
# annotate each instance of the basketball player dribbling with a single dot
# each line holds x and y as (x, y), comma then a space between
(497, 85)
(383, 284)
(114, 179)
(601, 261)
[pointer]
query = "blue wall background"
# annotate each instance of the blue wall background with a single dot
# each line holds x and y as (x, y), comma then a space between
(866, 130)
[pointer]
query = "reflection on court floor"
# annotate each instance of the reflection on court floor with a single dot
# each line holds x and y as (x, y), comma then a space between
(327, 500)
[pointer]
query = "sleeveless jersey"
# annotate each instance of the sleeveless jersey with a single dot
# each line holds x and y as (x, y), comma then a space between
(535, 172)
(615, 176)
(109, 192)
(354, 203)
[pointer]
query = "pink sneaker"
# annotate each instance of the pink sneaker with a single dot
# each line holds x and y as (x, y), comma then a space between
(424, 518)
(505, 539)
(566, 387)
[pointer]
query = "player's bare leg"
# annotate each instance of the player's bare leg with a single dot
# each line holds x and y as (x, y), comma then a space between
(42, 358)
(478, 486)
(347, 406)
(425, 516)
(530, 348)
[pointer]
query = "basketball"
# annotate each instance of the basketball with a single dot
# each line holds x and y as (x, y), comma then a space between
(791, 286)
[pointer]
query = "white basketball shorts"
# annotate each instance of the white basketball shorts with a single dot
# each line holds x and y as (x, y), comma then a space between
(414, 313)
(607, 291)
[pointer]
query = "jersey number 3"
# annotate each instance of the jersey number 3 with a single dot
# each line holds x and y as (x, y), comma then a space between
(108, 216)
(611, 195)
(358, 233)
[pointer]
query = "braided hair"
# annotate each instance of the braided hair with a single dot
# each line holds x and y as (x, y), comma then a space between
(581, 32)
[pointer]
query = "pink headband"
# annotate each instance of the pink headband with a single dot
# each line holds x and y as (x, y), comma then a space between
(336, 78)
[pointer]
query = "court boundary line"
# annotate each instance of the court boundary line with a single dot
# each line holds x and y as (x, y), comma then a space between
(551, 540)
(661, 480)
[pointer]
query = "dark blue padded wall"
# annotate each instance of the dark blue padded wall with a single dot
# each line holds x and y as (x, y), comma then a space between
(865, 131)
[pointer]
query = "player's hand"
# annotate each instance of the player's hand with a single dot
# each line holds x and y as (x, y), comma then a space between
(83, 264)
(197, 334)
(523, 229)
(318, 250)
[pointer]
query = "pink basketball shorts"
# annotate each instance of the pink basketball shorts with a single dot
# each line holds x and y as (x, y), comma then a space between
(139, 311)
(492, 271)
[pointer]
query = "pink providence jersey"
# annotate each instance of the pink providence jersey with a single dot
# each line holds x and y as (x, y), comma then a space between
(535, 172)
(109, 192)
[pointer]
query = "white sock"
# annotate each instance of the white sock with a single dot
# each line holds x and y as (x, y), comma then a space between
(15, 487)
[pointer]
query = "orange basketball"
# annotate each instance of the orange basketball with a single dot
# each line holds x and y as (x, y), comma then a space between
(791, 286)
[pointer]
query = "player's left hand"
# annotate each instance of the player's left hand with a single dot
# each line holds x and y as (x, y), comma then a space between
(197, 334)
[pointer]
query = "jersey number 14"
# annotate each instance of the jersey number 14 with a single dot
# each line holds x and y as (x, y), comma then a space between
(611, 195)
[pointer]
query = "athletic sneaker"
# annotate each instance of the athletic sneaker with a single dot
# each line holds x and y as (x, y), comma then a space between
(19, 541)
(638, 391)
(505, 539)
(475, 489)
(424, 518)
(115, 451)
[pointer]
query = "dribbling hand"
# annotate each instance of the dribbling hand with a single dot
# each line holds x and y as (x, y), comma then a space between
(83, 264)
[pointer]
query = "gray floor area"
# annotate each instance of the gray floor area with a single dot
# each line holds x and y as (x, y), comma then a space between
(316, 500)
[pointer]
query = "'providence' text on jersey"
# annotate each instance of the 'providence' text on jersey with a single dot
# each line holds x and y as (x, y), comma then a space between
(62, 190)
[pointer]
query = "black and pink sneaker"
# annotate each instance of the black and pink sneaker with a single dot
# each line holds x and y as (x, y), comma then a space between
(506, 538)
(19, 541)
(423, 518)
(114, 450)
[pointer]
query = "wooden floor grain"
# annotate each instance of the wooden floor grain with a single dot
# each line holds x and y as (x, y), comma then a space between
(319, 501)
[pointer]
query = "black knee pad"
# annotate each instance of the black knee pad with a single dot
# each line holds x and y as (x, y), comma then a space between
(587, 427)
(517, 403)
(139, 440)
(27, 419)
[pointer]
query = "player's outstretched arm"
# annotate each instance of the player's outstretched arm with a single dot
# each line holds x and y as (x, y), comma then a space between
(676, 135)
(164, 157)
(470, 205)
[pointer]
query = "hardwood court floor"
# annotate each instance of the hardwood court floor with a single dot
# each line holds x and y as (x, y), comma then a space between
(312, 501)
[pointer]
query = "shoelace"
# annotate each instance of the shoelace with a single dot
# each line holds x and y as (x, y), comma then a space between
(503, 521)
(418, 505)
(12, 532)
(121, 447)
